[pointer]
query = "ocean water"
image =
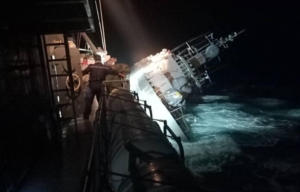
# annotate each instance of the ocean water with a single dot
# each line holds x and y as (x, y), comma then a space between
(240, 143)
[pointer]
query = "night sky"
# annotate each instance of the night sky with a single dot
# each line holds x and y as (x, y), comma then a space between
(267, 53)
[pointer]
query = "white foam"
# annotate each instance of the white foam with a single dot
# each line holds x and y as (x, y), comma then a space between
(223, 127)
(210, 153)
(261, 127)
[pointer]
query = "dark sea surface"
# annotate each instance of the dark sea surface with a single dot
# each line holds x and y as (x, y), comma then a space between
(245, 143)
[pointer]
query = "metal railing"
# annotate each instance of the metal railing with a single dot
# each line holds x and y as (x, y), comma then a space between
(97, 173)
(90, 173)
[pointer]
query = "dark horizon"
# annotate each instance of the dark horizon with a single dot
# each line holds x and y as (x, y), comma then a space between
(154, 25)
(267, 51)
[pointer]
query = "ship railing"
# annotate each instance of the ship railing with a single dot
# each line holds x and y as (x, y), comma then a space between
(182, 46)
(97, 173)
(96, 168)
(166, 131)
(179, 117)
(177, 113)
(92, 177)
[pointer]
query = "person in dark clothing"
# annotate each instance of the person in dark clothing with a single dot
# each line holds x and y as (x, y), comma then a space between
(98, 73)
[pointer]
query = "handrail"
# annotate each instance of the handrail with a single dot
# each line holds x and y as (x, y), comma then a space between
(177, 139)
(115, 81)
(183, 44)
(87, 180)
(92, 169)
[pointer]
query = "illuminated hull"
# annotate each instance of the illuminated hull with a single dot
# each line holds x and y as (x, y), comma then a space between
(140, 84)
(169, 78)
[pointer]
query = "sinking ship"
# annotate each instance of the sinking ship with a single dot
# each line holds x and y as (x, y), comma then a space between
(167, 80)
(135, 127)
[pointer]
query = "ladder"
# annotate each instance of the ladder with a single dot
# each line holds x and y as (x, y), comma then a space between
(52, 62)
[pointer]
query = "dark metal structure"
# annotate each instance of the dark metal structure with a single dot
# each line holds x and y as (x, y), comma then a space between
(29, 115)
(49, 16)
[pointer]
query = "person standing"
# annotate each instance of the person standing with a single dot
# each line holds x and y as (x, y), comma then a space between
(98, 73)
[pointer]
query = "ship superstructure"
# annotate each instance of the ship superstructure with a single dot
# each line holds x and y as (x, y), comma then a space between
(170, 78)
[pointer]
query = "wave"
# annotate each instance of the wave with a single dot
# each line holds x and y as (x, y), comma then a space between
(210, 153)
(223, 126)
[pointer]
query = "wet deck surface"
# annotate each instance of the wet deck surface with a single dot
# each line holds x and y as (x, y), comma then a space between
(63, 170)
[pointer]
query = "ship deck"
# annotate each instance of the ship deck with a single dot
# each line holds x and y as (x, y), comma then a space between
(63, 170)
